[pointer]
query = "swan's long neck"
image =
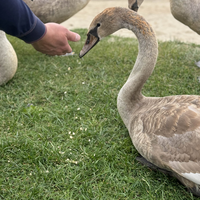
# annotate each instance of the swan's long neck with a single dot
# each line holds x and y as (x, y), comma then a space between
(130, 97)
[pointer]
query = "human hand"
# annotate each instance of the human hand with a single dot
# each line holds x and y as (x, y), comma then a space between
(55, 41)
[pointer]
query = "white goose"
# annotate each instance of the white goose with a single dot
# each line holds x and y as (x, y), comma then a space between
(55, 10)
(8, 61)
(164, 130)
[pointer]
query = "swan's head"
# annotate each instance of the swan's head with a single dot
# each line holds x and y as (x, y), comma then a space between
(134, 4)
(103, 24)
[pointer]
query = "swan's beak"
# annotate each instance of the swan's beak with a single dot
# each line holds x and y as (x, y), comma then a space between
(89, 44)
(134, 7)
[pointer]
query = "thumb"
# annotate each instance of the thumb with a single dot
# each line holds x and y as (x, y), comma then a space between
(74, 37)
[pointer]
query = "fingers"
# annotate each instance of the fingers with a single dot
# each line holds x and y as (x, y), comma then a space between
(68, 49)
(74, 37)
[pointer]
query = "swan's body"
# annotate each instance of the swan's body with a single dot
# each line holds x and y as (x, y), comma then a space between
(164, 130)
(185, 11)
(55, 10)
(8, 59)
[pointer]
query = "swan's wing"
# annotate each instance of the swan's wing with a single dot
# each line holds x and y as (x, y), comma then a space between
(179, 140)
(181, 153)
(168, 135)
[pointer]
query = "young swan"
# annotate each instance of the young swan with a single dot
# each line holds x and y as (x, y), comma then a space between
(56, 10)
(8, 59)
(164, 130)
(185, 11)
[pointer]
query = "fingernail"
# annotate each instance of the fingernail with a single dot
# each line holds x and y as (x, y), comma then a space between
(78, 37)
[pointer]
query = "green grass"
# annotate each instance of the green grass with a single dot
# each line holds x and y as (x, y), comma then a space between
(61, 134)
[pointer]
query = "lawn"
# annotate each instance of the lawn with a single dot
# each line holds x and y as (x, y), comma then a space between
(61, 137)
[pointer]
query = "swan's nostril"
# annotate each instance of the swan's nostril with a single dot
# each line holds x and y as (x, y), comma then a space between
(88, 39)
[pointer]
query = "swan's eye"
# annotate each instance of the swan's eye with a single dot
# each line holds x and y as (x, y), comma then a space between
(98, 24)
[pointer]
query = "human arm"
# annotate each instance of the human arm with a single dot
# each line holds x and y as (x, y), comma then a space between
(18, 20)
